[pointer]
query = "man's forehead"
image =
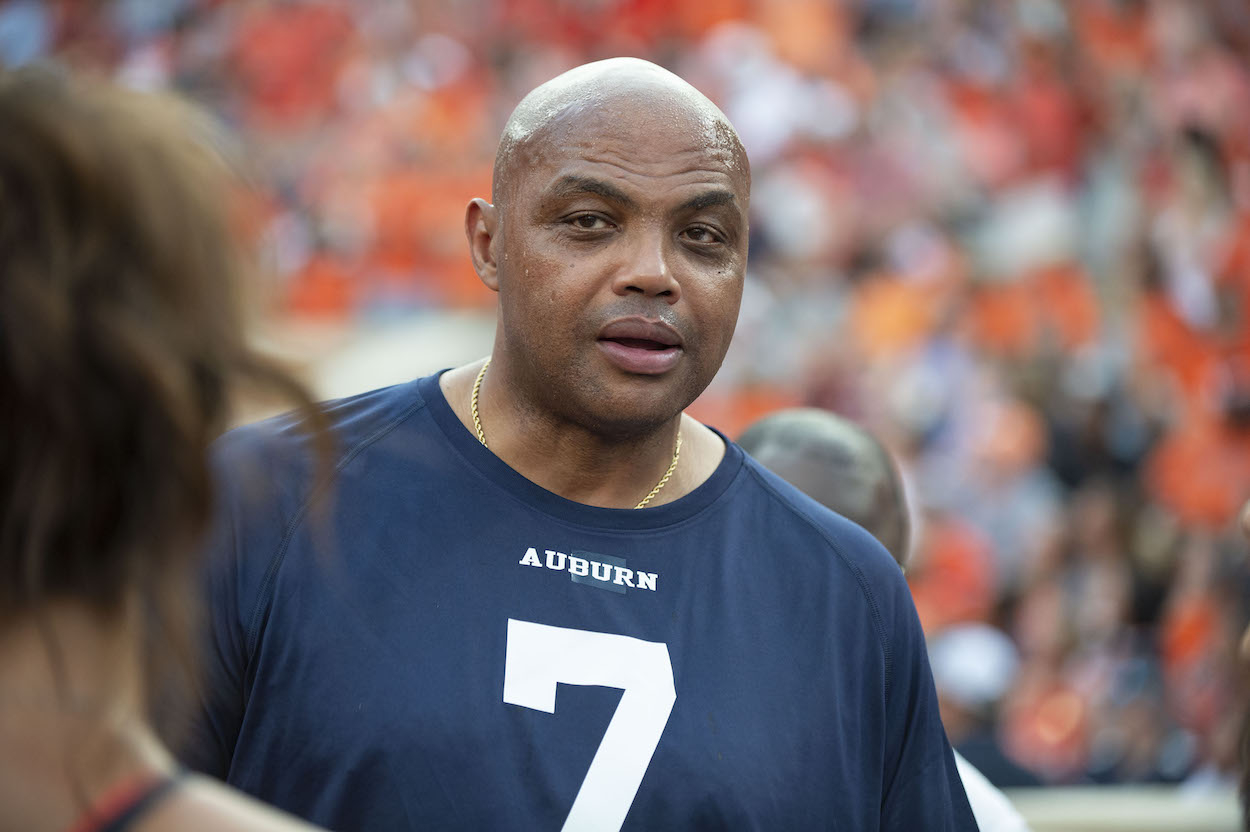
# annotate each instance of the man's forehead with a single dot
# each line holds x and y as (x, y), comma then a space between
(639, 163)
(604, 86)
(621, 108)
(635, 134)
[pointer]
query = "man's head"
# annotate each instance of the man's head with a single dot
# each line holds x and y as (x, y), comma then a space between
(617, 242)
(840, 465)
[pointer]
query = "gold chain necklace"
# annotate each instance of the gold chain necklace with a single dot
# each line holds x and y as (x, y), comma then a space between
(481, 437)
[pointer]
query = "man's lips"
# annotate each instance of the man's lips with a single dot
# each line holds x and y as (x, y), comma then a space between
(641, 329)
(641, 346)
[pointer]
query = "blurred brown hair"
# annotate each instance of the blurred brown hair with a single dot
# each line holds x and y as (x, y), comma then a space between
(121, 340)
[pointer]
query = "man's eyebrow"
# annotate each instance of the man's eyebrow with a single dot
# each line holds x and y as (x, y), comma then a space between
(567, 186)
(708, 200)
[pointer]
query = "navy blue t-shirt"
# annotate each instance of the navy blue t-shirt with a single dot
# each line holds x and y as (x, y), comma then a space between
(441, 644)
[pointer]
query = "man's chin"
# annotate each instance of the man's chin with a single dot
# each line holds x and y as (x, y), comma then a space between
(636, 409)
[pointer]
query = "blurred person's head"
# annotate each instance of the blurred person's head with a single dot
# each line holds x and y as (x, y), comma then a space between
(839, 465)
(974, 666)
(120, 344)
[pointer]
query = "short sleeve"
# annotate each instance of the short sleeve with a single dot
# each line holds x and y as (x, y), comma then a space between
(922, 790)
(218, 709)
(257, 482)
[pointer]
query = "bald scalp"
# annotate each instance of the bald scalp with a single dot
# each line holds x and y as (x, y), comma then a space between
(838, 464)
(615, 88)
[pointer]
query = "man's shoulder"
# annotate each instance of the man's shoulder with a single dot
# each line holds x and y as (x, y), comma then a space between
(793, 512)
(351, 422)
(803, 530)
(273, 467)
(267, 476)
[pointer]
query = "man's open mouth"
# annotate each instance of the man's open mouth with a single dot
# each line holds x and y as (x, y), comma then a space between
(641, 343)
(640, 346)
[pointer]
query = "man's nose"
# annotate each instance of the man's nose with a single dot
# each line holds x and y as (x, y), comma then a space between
(647, 270)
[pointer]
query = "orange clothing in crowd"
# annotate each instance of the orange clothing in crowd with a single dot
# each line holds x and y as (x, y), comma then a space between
(1049, 116)
(808, 34)
(954, 579)
(1065, 299)
(1115, 35)
(1003, 319)
(287, 59)
(1056, 303)
(419, 233)
(731, 412)
(1168, 342)
(323, 288)
(1046, 727)
(1201, 471)
(890, 316)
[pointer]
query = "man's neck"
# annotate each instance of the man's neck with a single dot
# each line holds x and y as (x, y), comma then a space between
(71, 717)
(577, 463)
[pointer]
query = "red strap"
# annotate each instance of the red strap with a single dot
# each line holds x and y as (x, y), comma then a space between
(115, 802)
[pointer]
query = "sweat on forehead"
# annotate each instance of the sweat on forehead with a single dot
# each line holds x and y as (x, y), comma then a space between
(607, 89)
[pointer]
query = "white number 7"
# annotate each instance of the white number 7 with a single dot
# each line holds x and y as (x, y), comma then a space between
(539, 656)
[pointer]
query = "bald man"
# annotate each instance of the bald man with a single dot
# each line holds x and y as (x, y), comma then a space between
(847, 469)
(554, 601)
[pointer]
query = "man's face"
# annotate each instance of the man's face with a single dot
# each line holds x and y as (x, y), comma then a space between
(622, 249)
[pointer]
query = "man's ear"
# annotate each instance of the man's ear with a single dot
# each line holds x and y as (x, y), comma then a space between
(481, 226)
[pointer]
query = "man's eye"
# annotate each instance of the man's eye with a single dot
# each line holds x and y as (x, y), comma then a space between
(589, 222)
(701, 234)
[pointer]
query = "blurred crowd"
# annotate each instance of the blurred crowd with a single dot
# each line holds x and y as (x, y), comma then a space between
(1011, 236)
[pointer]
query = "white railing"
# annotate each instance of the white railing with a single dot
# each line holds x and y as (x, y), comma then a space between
(1127, 809)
